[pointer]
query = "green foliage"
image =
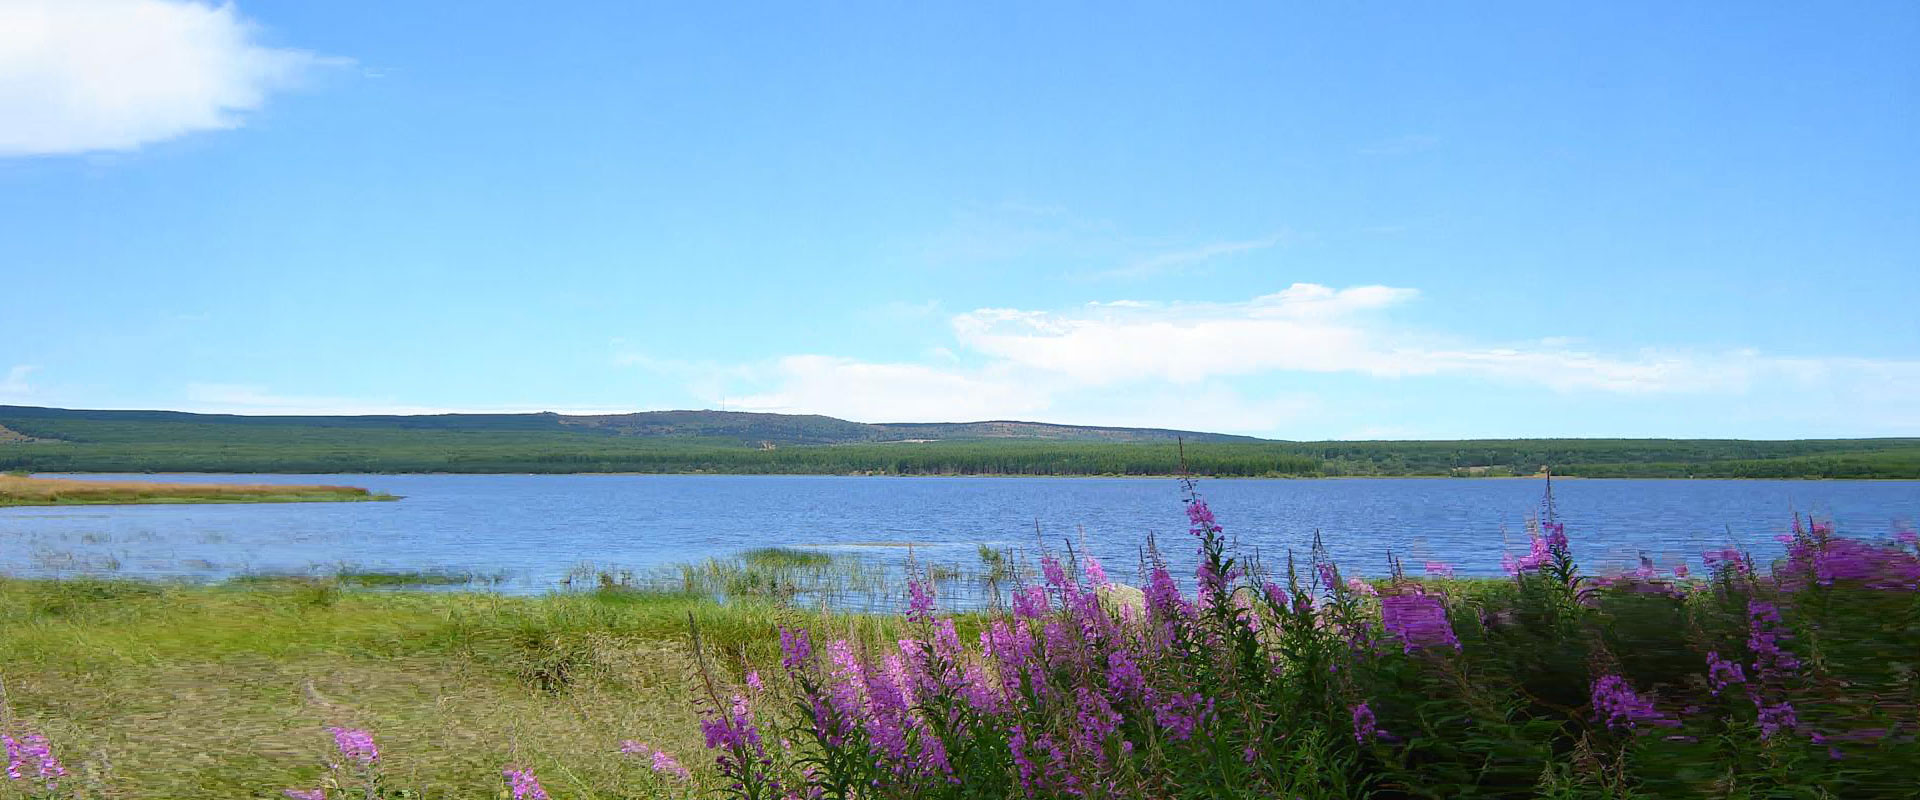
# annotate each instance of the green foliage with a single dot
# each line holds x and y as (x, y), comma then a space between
(717, 442)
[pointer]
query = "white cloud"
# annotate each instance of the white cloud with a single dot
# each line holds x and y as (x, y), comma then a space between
(1305, 327)
(15, 383)
(1313, 328)
(88, 75)
(881, 392)
(1188, 365)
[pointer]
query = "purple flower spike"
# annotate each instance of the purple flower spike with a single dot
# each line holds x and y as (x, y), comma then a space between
(1721, 673)
(796, 646)
(920, 601)
(1615, 702)
(1031, 603)
(306, 794)
(1419, 620)
(1201, 517)
(33, 749)
(1096, 574)
(355, 745)
(660, 761)
(524, 784)
(1365, 728)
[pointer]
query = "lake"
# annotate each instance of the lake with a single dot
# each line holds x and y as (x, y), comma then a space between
(534, 529)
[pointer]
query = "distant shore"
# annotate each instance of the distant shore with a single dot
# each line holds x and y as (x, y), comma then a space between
(20, 490)
(1075, 476)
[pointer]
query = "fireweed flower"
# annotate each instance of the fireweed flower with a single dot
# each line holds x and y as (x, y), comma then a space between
(1556, 536)
(1031, 603)
(1823, 560)
(845, 692)
(1329, 577)
(1764, 632)
(1365, 728)
(1361, 587)
(1539, 553)
(33, 749)
(658, 760)
(796, 646)
(524, 784)
(1124, 678)
(1776, 717)
(920, 601)
(355, 745)
(1419, 620)
(1179, 714)
(1055, 574)
(305, 794)
(888, 720)
(1094, 721)
(1201, 517)
(1439, 569)
(1722, 673)
(1615, 702)
(1096, 574)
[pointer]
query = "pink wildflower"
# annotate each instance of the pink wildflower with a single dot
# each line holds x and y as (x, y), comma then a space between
(524, 784)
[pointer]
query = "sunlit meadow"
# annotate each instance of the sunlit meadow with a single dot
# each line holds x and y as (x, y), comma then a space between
(1247, 679)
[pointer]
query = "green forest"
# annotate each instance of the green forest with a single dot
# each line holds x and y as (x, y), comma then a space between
(53, 440)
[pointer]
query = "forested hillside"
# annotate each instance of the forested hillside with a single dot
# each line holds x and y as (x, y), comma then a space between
(58, 440)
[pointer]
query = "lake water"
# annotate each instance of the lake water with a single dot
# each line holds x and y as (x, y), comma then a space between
(534, 529)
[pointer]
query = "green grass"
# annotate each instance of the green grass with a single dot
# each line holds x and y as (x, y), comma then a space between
(785, 557)
(370, 579)
(221, 691)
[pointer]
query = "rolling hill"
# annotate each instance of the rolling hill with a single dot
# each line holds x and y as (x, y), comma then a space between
(64, 440)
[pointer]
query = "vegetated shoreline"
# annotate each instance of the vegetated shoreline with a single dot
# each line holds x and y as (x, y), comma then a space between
(577, 683)
(20, 490)
(936, 475)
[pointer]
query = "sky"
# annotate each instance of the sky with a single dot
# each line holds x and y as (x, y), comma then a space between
(1300, 221)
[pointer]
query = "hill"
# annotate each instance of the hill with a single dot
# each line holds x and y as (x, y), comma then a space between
(63, 440)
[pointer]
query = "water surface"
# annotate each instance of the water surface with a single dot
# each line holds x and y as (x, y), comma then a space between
(534, 529)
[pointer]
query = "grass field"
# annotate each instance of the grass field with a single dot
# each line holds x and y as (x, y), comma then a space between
(160, 691)
(21, 490)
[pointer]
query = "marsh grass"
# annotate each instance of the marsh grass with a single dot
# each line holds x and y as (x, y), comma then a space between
(23, 490)
(224, 690)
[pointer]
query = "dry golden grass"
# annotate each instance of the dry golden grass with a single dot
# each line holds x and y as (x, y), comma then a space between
(19, 490)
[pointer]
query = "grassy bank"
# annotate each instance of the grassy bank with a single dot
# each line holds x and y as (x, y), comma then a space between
(1717, 678)
(21, 490)
(225, 691)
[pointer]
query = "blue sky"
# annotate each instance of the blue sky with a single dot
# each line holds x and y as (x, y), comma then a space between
(1376, 220)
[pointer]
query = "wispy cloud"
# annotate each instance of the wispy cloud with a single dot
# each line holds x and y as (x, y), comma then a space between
(78, 76)
(1189, 364)
(1185, 258)
(15, 383)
